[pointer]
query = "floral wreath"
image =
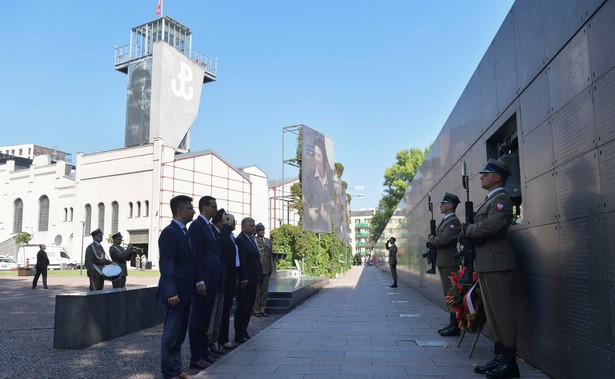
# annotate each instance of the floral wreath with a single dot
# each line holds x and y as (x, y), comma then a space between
(466, 302)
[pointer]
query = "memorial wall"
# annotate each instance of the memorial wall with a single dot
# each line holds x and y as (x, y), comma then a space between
(544, 95)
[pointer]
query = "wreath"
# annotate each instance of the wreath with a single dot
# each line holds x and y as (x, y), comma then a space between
(466, 302)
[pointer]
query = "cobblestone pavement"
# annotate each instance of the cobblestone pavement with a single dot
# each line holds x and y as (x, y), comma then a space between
(26, 336)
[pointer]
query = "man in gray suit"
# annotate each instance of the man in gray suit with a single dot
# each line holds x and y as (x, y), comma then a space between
(445, 241)
(495, 263)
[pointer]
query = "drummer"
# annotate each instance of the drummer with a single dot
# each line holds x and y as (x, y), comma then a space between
(120, 255)
(95, 260)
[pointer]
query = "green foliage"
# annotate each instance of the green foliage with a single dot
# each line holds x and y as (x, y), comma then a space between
(397, 178)
(320, 257)
(23, 238)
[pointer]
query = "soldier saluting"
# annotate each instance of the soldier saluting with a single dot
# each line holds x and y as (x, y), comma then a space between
(445, 240)
(495, 263)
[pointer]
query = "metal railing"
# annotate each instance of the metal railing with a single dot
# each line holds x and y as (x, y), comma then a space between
(124, 54)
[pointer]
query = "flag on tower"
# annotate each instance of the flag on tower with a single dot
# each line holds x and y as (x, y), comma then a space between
(159, 7)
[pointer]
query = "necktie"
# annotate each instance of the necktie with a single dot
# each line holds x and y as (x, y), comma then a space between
(186, 233)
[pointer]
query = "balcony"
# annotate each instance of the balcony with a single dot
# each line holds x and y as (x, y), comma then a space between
(361, 225)
(126, 54)
(362, 234)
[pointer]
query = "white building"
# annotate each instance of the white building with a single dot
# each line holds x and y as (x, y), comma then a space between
(126, 190)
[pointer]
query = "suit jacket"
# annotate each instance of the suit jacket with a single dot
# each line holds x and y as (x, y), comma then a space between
(445, 241)
(206, 251)
(176, 274)
(491, 222)
(92, 263)
(250, 268)
(223, 257)
(120, 255)
(229, 253)
(42, 261)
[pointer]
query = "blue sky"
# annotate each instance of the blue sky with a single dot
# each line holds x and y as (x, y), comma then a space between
(376, 76)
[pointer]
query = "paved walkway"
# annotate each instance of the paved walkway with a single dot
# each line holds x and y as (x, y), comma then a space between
(358, 327)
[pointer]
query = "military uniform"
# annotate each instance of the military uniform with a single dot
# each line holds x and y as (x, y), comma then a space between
(495, 263)
(266, 257)
(95, 260)
(445, 242)
(120, 255)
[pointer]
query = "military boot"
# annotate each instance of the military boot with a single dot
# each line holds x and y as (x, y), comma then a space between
(497, 359)
(508, 368)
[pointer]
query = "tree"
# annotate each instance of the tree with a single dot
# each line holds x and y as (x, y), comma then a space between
(397, 178)
(23, 238)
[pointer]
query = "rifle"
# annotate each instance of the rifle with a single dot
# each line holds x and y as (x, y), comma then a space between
(432, 253)
(467, 251)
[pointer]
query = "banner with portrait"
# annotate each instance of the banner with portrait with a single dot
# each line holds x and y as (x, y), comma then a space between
(317, 180)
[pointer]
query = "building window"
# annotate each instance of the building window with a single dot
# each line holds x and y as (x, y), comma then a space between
(17, 215)
(115, 213)
(101, 216)
(65, 214)
(130, 209)
(138, 209)
(71, 214)
(88, 219)
(146, 208)
(20, 152)
(43, 213)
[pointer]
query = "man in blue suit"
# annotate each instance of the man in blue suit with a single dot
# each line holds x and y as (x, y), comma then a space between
(249, 274)
(207, 276)
(176, 285)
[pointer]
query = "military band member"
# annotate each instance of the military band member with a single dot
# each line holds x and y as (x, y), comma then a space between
(495, 263)
(95, 260)
(445, 241)
(120, 255)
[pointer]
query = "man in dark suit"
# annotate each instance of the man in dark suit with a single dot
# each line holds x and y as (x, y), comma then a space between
(230, 252)
(120, 255)
(95, 260)
(250, 273)
(42, 261)
(496, 264)
(445, 240)
(207, 278)
(176, 285)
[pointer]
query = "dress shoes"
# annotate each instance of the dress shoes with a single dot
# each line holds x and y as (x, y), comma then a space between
(393, 285)
(256, 315)
(431, 271)
(263, 314)
(201, 364)
(45, 288)
(241, 340)
(450, 332)
(228, 346)
(210, 359)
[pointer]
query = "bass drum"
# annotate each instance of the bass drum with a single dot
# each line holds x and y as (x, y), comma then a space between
(112, 272)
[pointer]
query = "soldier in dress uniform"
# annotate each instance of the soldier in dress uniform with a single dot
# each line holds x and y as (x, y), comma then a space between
(120, 255)
(445, 241)
(495, 263)
(95, 260)
(266, 256)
